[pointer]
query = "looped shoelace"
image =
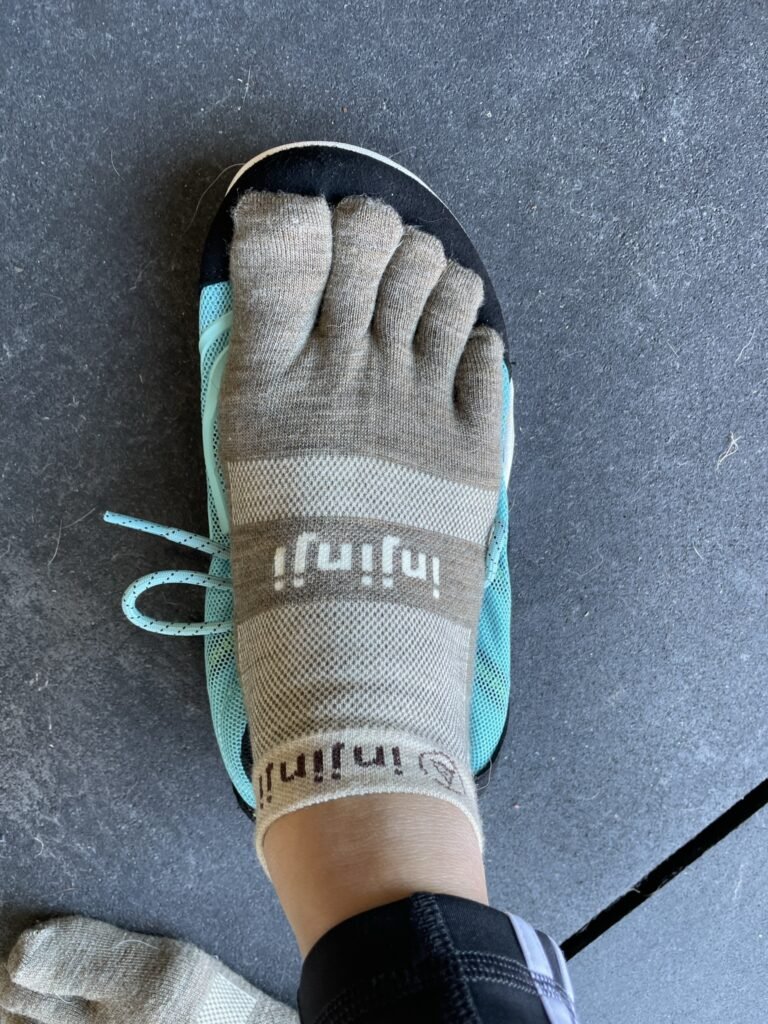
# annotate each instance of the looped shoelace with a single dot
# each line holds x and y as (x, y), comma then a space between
(167, 576)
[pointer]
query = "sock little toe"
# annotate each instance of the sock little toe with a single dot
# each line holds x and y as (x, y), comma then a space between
(360, 437)
(74, 969)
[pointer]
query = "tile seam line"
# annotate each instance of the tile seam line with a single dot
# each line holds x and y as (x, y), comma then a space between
(682, 858)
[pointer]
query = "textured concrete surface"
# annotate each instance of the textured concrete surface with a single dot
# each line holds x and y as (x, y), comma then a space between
(609, 159)
(695, 951)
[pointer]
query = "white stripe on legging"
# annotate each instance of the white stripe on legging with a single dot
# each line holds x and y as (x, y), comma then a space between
(557, 1010)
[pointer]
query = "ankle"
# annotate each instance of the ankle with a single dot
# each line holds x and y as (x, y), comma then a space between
(333, 860)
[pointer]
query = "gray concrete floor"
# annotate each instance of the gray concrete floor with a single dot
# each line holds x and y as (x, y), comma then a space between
(609, 159)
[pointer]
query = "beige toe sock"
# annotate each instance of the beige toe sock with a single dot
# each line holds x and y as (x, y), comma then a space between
(360, 421)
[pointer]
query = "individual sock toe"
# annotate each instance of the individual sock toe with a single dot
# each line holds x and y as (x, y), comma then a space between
(29, 960)
(414, 270)
(23, 1006)
(478, 389)
(280, 260)
(449, 316)
(366, 233)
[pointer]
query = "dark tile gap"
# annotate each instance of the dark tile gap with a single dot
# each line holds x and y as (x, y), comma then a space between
(664, 872)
